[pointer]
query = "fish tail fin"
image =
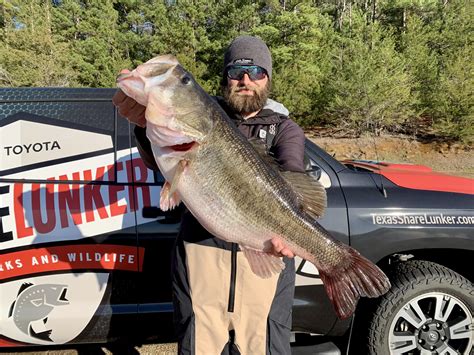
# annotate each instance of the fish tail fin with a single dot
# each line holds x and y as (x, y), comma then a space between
(360, 278)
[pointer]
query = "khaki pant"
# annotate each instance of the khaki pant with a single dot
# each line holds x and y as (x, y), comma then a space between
(210, 284)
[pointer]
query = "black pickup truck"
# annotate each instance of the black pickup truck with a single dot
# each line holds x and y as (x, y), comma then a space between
(85, 253)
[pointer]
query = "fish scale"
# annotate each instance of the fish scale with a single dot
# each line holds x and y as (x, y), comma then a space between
(234, 192)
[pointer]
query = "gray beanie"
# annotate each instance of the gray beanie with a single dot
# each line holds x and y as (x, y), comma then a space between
(248, 50)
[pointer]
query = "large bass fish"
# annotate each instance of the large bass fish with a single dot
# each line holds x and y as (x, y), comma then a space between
(232, 189)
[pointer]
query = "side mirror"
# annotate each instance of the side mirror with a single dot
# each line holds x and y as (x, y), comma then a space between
(315, 171)
(312, 170)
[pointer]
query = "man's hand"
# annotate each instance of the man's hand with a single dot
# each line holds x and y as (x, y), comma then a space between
(280, 249)
(129, 108)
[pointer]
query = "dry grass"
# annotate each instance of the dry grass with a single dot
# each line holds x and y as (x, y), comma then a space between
(449, 158)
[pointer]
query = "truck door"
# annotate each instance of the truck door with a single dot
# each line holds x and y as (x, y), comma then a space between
(68, 245)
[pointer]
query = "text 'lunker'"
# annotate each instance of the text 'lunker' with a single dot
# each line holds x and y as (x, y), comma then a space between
(56, 206)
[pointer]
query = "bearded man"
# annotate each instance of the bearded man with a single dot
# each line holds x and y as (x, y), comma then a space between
(220, 305)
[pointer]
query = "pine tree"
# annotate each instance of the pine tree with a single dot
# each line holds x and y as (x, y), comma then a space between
(186, 32)
(453, 109)
(300, 39)
(31, 53)
(421, 61)
(371, 87)
(91, 28)
(141, 24)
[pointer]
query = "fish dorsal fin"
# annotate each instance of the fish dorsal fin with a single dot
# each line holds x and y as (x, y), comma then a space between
(23, 287)
(311, 193)
(263, 264)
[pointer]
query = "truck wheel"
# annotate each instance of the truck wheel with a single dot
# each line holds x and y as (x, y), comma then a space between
(428, 310)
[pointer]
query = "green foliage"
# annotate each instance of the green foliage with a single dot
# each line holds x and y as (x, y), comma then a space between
(453, 112)
(454, 99)
(31, 54)
(91, 27)
(300, 42)
(372, 90)
(141, 25)
(421, 61)
(364, 65)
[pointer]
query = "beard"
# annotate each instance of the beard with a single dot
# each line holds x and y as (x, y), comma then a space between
(245, 104)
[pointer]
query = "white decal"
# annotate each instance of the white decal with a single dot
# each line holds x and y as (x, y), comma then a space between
(43, 212)
(422, 219)
(306, 273)
(24, 143)
(51, 309)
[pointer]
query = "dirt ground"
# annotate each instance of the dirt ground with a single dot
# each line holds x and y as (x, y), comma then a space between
(445, 157)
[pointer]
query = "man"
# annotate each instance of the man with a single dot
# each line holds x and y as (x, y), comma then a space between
(220, 305)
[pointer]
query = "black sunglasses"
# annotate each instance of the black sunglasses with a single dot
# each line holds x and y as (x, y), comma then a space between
(236, 72)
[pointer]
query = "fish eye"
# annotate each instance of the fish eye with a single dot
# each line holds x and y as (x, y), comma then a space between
(186, 80)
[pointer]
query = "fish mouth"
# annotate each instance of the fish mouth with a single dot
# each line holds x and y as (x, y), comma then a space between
(183, 147)
(178, 150)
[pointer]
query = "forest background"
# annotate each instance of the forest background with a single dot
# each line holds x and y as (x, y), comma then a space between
(378, 66)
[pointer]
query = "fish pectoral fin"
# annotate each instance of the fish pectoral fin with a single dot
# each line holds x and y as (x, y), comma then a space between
(168, 200)
(311, 193)
(177, 176)
(263, 264)
(169, 197)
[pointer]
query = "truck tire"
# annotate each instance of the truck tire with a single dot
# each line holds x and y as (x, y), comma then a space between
(428, 310)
